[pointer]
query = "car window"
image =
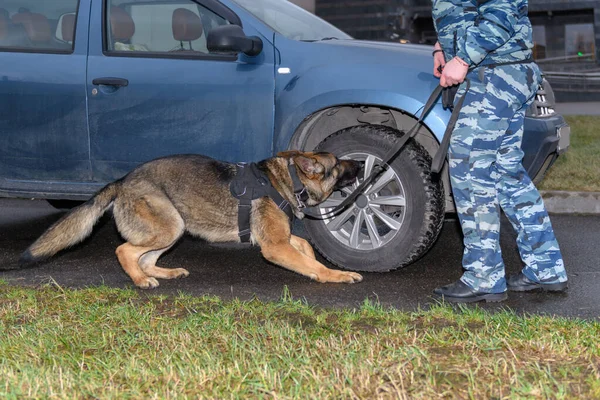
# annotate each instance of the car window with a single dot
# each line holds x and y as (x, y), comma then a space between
(34, 25)
(292, 21)
(159, 26)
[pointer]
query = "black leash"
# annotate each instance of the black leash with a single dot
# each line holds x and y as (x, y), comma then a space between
(440, 156)
(436, 165)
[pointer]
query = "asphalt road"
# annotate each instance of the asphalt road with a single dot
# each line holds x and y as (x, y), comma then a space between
(243, 273)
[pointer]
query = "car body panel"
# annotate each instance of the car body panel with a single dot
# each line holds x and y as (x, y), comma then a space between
(381, 74)
(43, 114)
(540, 148)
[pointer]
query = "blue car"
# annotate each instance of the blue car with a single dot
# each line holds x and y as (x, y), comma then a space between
(91, 88)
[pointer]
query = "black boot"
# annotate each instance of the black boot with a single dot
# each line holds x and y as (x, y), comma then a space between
(520, 283)
(459, 292)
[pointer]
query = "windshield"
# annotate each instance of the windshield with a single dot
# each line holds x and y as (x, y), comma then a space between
(292, 21)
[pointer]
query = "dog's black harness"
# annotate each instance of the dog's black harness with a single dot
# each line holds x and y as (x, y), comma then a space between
(251, 183)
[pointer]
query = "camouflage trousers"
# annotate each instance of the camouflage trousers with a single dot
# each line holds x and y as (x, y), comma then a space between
(486, 173)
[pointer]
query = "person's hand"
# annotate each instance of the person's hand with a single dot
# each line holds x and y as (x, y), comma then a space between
(454, 72)
(439, 61)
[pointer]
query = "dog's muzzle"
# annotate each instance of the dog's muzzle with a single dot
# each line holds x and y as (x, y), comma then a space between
(350, 173)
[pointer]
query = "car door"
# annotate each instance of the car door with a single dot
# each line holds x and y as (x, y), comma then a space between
(157, 90)
(44, 142)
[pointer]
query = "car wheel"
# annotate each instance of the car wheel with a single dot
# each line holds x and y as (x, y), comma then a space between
(396, 220)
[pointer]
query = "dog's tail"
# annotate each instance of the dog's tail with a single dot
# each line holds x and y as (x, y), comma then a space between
(72, 228)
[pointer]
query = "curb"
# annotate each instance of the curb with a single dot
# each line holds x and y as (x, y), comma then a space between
(561, 202)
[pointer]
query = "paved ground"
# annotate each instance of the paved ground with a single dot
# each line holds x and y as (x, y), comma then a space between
(561, 202)
(243, 273)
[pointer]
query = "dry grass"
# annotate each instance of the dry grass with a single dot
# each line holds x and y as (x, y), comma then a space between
(579, 168)
(108, 343)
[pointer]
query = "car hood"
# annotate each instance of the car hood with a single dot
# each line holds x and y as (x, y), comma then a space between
(385, 52)
(388, 46)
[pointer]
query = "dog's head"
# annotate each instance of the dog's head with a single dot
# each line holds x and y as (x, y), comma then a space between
(322, 173)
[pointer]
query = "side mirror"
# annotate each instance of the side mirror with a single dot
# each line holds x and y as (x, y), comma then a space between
(232, 39)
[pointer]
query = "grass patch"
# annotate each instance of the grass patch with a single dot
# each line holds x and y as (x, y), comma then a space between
(579, 168)
(122, 344)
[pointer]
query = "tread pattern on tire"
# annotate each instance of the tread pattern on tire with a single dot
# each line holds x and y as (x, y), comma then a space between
(434, 191)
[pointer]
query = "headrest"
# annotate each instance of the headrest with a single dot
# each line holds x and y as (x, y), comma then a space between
(67, 23)
(36, 26)
(4, 21)
(20, 17)
(121, 24)
(187, 25)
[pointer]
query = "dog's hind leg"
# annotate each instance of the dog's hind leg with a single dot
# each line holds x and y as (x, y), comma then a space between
(151, 225)
(128, 256)
(148, 264)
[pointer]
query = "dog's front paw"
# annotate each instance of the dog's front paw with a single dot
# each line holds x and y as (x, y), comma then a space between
(147, 283)
(340, 277)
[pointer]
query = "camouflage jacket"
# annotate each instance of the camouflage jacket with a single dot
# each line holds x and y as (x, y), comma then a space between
(483, 32)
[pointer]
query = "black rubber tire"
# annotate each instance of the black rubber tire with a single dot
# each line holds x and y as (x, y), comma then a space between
(423, 213)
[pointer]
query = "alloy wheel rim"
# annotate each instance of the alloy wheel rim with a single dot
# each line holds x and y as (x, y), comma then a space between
(372, 226)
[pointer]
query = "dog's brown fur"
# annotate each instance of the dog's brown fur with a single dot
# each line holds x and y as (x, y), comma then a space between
(158, 201)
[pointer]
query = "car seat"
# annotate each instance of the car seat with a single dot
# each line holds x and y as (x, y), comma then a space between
(187, 27)
(66, 28)
(12, 34)
(4, 23)
(36, 27)
(122, 29)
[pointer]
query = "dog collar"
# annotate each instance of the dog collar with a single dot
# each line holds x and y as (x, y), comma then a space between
(299, 189)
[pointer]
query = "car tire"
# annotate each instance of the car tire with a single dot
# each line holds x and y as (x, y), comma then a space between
(402, 218)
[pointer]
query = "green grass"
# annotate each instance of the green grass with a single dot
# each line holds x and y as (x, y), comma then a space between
(579, 168)
(122, 344)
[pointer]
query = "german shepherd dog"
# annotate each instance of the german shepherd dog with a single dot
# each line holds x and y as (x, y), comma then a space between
(157, 202)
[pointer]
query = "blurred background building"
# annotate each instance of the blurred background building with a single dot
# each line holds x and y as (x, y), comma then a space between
(306, 4)
(566, 32)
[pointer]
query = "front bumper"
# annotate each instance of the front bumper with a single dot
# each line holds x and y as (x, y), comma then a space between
(544, 139)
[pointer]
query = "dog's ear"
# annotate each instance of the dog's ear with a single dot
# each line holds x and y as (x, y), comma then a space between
(288, 153)
(308, 165)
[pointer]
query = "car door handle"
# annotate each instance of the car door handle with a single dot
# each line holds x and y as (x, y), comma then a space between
(110, 81)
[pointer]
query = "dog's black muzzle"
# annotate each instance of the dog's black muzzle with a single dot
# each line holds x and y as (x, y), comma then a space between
(351, 170)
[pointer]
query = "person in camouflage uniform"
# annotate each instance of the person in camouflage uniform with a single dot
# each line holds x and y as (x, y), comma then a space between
(489, 42)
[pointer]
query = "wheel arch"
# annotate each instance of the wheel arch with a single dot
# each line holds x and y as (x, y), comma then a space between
(325, 122)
